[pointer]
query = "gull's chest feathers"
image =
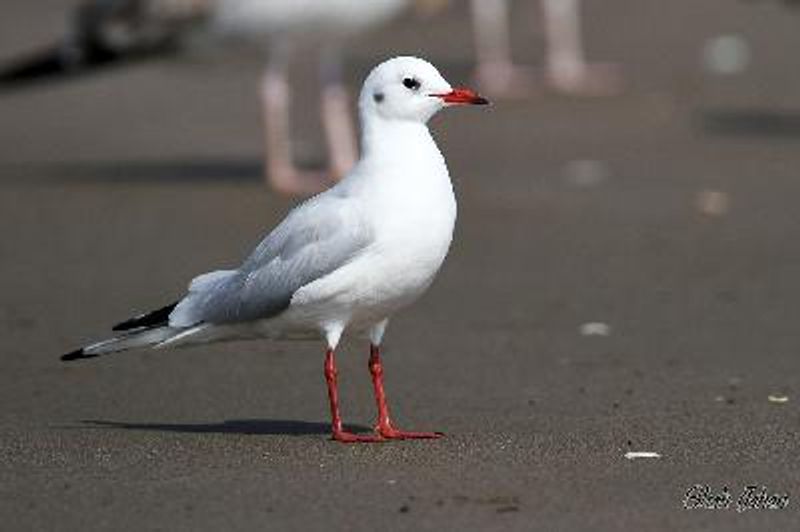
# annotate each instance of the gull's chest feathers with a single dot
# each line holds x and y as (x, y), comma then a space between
(409, 198)
(413, 220)
(412, 225)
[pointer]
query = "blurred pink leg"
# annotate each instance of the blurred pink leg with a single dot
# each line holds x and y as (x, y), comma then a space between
(337, 120)
(281, 173)
(495, 71)
(566, 67)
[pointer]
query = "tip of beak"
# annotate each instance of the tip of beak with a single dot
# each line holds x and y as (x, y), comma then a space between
(462, 96)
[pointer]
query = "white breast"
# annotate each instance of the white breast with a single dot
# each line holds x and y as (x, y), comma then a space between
(413, 214)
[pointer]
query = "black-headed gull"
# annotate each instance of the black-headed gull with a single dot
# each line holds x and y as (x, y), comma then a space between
(343, 261)
(109, 32)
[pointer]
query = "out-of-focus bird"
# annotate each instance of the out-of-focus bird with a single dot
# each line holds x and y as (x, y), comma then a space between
(566, 68)
(103, 33)
(344, 261)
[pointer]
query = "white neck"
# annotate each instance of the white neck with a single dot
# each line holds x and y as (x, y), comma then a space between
(398, 157)
(404, 177)
(395, 139)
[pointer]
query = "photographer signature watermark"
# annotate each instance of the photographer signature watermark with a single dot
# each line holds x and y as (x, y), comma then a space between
(702, 497)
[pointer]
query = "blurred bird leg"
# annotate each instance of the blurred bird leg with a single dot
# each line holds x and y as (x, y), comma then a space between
(496, 74)
(337, 120)
(566, 66)
(566, 69)
(281, 173)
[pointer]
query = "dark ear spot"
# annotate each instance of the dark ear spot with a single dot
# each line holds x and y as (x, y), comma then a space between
(378, 97)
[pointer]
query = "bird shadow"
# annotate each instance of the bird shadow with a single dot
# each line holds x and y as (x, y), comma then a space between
(276, 427)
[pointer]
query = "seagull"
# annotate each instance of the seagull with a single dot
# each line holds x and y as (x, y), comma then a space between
(343, 261)
(105, 33)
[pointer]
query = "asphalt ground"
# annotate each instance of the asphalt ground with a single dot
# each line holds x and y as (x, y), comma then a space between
(623, 278)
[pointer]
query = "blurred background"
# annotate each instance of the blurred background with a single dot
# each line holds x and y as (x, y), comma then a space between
(622, 278)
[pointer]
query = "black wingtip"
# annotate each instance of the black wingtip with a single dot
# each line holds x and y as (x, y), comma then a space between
(76, 355)
(151, 319)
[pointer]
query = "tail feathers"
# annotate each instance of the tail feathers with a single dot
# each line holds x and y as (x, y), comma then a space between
(185, 336)
(130, 340)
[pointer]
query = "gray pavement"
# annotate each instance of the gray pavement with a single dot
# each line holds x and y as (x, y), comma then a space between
(679, 234)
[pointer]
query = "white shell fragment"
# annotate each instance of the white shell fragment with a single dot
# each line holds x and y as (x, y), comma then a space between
(633, 455)
(595, 328)
(780, 399)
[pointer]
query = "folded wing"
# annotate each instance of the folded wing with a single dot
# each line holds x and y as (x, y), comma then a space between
(315, 239)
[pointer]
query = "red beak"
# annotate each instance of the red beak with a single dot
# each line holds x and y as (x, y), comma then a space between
(462, 96)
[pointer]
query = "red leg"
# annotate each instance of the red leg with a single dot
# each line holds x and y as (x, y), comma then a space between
(384, 426)
(337, 431)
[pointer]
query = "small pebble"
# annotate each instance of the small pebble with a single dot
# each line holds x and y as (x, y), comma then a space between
(595, 328)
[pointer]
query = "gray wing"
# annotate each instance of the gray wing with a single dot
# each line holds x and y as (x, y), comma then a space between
(314, 240)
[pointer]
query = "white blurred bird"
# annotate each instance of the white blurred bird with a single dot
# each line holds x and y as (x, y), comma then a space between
(108, 32)
(344, 261)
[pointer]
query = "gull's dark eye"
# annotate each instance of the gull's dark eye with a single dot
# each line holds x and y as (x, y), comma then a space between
(411, 83)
